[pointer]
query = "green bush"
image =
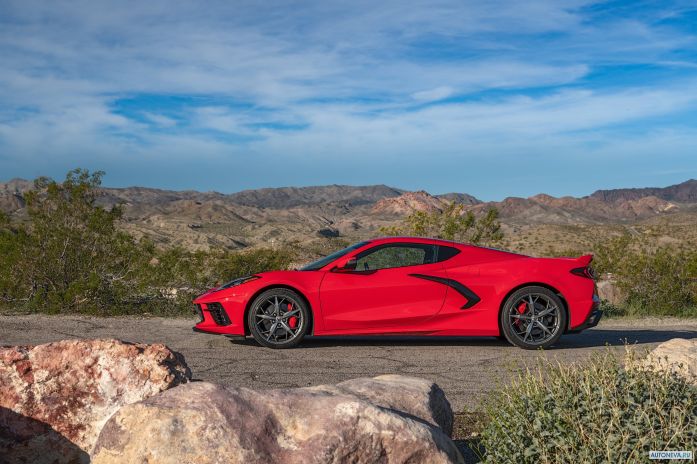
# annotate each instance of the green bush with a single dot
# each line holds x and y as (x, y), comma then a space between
(598, 412)
(654, 280)
(232, 265)
(173, 277)
(451, 223)
(662, 282)
(71, 257)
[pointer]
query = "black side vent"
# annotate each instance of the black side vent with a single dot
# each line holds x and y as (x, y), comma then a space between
(218, 313)
(199, 313)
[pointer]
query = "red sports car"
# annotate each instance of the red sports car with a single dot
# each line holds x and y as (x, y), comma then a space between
(409, 286)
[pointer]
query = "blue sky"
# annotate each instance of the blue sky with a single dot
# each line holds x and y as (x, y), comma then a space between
(492, 98)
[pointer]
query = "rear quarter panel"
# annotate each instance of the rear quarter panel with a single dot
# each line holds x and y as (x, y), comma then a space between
(493, 275)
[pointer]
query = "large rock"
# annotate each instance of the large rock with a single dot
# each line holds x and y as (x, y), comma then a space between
(414, 396)
(206, 423)
(609, 291)
(55, 398)
(677, 355)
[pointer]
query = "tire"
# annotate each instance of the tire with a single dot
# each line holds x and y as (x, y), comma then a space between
(533, 329)
(278, 318)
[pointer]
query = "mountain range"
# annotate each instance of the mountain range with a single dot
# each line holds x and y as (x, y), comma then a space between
(201, 220)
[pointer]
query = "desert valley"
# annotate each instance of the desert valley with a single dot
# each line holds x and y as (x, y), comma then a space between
(316, 217)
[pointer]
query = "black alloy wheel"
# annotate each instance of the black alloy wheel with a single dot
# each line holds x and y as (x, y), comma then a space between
(278, 318)
(533, 317)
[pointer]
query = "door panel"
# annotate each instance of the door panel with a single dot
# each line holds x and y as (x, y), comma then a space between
(389, 298)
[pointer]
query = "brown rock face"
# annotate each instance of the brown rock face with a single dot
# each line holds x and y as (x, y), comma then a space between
(205, 423)
(55, 398)
(677, 355)
(608, 291)
(408, 203)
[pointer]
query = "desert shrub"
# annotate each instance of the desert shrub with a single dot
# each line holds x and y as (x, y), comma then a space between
(654, 280)
(175, 276)
(661, 282)
(11, 244)
(242, 263)
(451, 223)
(596, 412)
(613, 310)
(71, 257)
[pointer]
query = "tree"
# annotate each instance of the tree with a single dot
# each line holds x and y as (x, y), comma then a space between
(451, 223)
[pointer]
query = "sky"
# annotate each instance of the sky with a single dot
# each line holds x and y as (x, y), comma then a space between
(493, 98)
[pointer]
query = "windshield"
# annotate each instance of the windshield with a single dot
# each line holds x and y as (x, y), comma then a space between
(320, 263)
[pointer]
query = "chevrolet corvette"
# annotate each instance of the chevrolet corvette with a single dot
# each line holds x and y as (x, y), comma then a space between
(409, 286)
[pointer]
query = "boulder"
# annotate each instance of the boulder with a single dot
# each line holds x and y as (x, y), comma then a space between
(205, 423)
(608, 290)
(419, 398)
(55, 398)
(677, 355)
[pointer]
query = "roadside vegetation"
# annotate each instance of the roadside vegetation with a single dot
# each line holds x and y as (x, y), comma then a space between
(652, 279)
(67, 254)
(599, 411)
(657, 281)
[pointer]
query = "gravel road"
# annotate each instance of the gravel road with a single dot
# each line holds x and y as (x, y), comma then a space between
(466, 368)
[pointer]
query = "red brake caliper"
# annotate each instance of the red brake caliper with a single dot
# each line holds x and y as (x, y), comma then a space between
(521, 310)
(292, 320)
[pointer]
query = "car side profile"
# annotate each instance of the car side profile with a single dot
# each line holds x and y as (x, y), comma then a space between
(409, 286)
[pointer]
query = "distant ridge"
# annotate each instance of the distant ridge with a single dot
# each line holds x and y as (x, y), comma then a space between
(685, 192)
(290, 197)
(262, 217)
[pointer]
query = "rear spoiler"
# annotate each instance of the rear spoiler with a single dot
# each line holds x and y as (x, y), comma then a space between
(584, 260)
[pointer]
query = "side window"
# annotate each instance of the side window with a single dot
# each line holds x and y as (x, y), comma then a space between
(395, 255)
(446, 252)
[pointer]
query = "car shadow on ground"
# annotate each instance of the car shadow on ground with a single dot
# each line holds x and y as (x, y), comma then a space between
(601, 337)
(588, 339)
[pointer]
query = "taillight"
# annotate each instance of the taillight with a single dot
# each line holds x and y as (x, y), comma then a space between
(585, 271)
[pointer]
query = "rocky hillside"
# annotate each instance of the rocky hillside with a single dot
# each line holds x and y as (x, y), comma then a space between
(201, 220)
(546, 209)
(407, 203)
(685, 192)
(290, 197)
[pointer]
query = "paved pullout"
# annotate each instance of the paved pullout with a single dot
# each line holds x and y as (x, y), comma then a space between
(466, 368)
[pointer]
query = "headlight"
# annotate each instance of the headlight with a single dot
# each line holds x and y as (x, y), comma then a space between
(236, 282)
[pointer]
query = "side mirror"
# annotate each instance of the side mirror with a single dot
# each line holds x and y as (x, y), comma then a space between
(348, 266)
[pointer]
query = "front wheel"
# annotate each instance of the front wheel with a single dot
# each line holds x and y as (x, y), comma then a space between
(278, 318)
(533, 317)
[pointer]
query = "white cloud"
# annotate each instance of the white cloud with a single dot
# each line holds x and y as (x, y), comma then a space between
(316, 79)
(160, 120)
(439, 93)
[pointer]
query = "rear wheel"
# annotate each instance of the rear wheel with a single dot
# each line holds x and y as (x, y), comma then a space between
(278, 318)
(533, 317)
